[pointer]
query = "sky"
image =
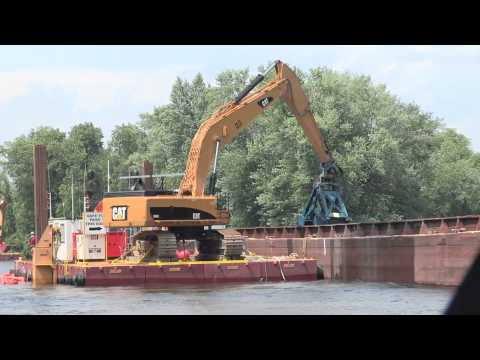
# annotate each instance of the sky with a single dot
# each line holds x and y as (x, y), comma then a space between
(61, 86)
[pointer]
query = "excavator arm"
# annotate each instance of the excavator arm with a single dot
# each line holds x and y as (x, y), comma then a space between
(224, 125)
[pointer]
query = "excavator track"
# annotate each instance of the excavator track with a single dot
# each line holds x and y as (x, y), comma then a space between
(157, 245)
(211, 249)
(234, 244)
(166, 247)
(234, 248)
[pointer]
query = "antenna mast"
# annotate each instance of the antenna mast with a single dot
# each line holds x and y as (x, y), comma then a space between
(49, 194)
(108, 175)
(73, 208)
(85, 189)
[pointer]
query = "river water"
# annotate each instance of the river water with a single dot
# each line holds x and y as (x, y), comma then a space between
(279, 298)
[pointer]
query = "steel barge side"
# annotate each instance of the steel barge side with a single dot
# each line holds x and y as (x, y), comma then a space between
(435, 251)
(118, 274)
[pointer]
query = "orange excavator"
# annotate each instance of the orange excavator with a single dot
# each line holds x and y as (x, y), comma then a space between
(190, 212)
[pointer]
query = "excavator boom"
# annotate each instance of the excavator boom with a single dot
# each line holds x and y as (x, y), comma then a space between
(191, 207)
(167, 217)
(224, 125)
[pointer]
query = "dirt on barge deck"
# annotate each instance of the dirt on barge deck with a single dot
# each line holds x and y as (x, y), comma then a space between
(435, 251)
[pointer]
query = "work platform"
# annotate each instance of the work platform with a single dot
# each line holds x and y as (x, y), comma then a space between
(436, 251)
(123, 273)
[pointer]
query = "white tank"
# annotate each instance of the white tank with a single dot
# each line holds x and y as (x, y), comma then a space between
(90, 247)
(63, 240)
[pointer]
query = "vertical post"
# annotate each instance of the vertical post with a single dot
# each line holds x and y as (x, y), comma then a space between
(85, 189)
(73, 207)
(50, 216)
(49, 195)
(3, 206)
(108, 175)
(43, 271)
(147, 170)
(40, 189)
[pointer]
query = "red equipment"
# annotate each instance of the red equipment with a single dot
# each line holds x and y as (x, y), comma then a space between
(11, 279)
(116, 243)
(183, 255)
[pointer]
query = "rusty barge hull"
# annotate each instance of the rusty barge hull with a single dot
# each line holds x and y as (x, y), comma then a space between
(435, 251)
(109, 274)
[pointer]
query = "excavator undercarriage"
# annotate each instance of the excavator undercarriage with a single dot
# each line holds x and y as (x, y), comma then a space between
(166, 221)
(207, 245)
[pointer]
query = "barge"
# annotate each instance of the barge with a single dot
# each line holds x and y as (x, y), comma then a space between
(420, 251)
(117, 273)
(436, 251)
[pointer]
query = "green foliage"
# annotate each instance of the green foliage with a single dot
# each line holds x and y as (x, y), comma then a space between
(171, 128)
(398, 161)
(6, 195)
(85, 161)
(18, 163)
(455, 186)
(126, 150)
(67, 156)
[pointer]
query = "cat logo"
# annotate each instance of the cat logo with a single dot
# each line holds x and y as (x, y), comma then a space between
(119, 213)
(265, 101)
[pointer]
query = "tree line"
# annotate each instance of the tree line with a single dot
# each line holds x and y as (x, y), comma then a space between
(397, 160)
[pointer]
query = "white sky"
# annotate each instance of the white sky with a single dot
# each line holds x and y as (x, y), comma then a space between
(61, 86)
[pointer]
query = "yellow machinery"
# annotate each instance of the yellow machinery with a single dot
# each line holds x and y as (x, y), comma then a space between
(190, 213)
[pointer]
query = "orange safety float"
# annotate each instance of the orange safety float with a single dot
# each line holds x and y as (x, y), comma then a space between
(11, 279)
